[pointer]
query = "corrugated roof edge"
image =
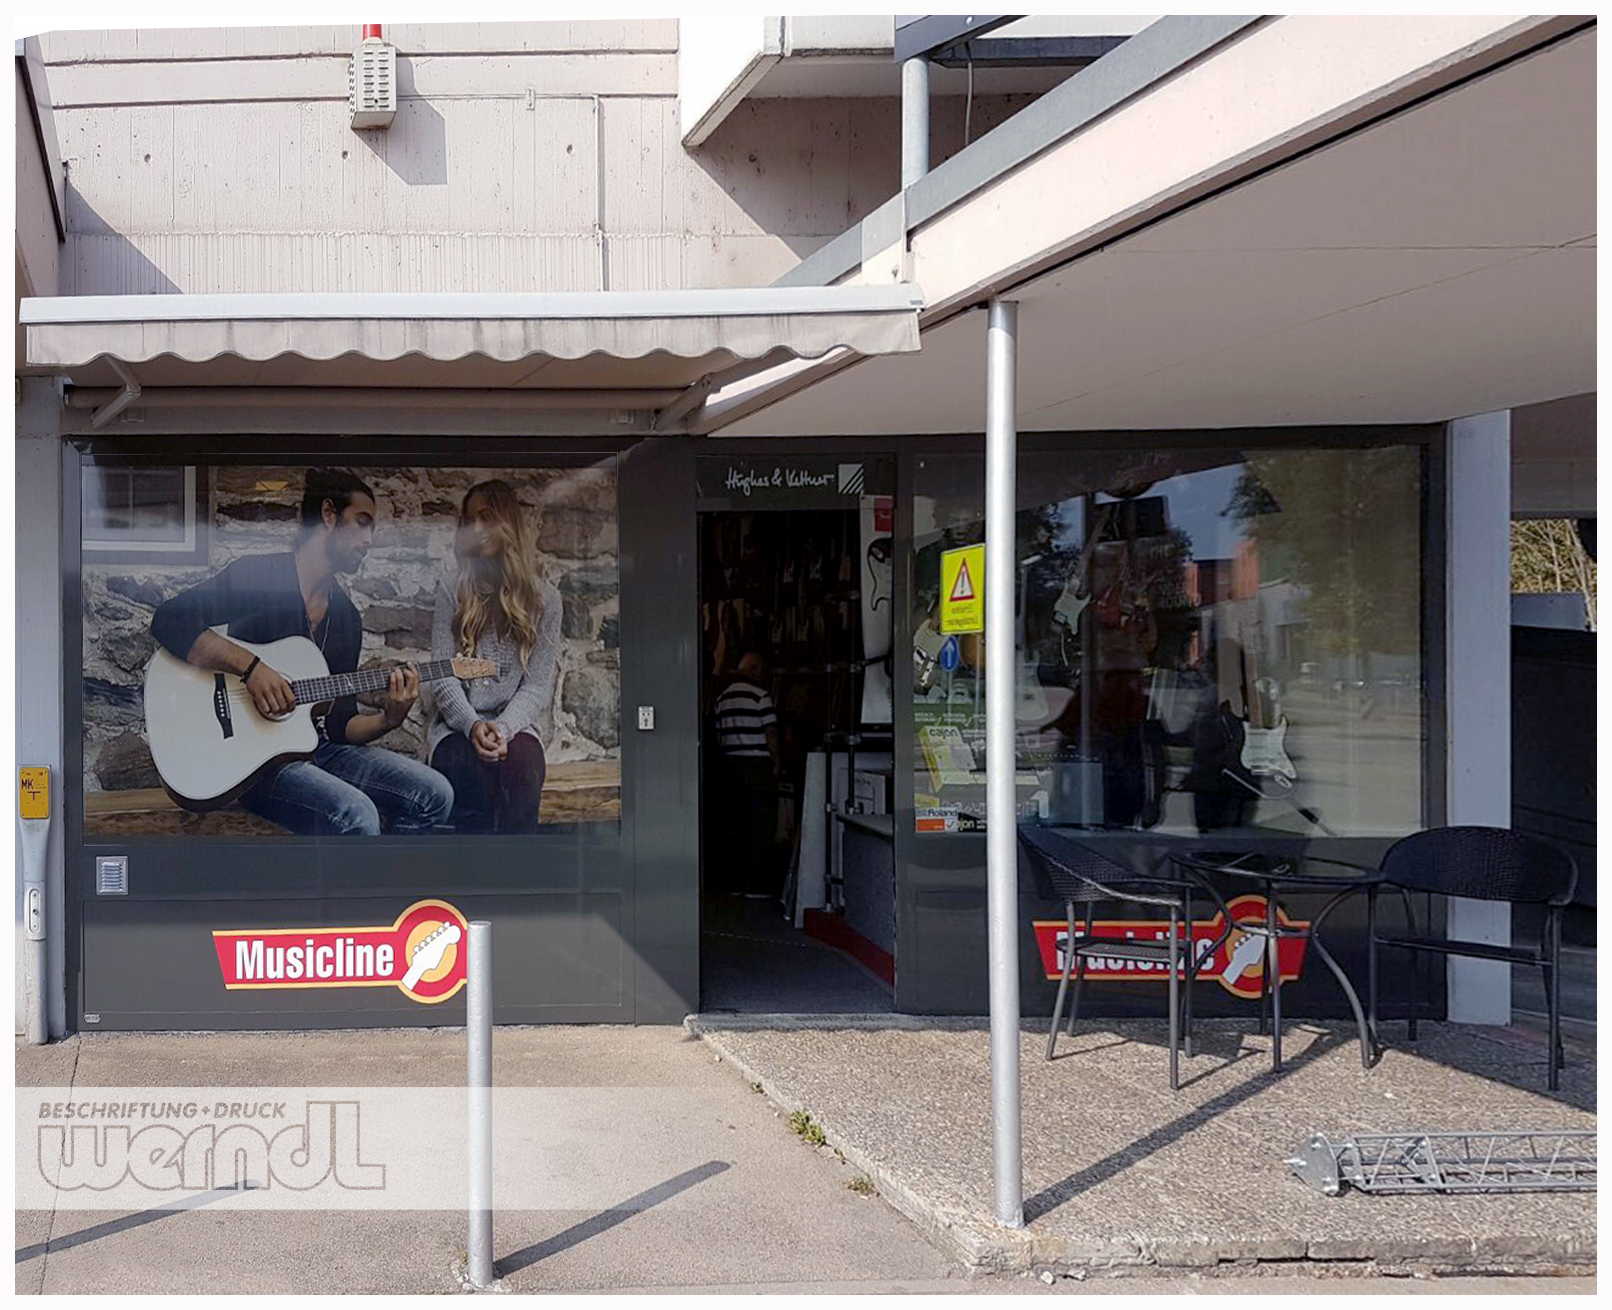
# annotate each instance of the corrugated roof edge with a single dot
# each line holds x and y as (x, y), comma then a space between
(1148, 57)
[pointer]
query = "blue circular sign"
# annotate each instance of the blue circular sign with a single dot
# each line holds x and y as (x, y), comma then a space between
(950, 656)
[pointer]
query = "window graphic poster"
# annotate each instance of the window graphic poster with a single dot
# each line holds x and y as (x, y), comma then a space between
(359, 651)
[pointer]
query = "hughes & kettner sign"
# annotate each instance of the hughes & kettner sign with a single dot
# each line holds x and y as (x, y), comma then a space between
(795, 482)
(422, 954)
(1237, 964)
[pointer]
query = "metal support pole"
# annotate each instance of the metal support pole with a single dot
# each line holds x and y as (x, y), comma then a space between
(914, 120)
(479, 1078)
(1001, 817)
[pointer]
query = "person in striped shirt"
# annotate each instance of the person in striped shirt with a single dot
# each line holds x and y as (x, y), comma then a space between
(747, 733)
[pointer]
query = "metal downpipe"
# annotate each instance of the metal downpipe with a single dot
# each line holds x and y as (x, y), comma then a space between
(1001, 819)
(914, 120)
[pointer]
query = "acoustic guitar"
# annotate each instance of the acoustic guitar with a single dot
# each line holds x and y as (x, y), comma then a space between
(210, 743)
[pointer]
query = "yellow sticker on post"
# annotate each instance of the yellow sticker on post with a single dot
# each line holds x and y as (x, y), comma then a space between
(33, 793)
(962, 589)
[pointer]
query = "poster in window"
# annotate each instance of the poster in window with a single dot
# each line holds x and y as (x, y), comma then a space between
(364, 651)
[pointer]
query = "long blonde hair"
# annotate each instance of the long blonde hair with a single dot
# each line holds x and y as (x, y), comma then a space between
(500, 592)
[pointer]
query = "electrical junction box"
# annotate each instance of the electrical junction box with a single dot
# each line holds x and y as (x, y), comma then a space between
(372, 85)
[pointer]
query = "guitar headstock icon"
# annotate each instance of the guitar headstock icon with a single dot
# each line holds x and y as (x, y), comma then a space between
(1248, 952)
(429, 954)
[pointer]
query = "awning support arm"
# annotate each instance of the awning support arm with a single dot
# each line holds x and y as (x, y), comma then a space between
(692, 398)
(120, 402)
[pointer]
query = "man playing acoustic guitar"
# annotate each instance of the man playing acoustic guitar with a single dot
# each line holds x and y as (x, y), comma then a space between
(346, 787)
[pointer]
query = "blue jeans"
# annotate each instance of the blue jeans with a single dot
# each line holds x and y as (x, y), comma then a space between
(345, 790)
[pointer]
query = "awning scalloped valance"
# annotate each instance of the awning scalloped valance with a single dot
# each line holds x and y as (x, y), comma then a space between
(563, 339)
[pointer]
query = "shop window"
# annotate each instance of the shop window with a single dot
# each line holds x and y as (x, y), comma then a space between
(511, 571)
(1205, 641)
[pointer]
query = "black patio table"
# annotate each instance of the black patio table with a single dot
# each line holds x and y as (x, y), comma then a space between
(1298, 873)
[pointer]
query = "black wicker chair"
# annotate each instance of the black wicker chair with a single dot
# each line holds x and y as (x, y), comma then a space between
(1486, 864)
(1069, 871)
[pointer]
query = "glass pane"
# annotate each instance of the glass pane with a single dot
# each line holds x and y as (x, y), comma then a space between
(1206, 641)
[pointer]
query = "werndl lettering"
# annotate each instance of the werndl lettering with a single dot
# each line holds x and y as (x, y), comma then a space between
(326, 1147)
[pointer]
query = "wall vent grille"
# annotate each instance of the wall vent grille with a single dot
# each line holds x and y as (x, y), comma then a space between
(111, 875)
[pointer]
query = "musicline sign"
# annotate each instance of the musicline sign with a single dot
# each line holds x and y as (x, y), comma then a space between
(1238, 964)
(422, 953)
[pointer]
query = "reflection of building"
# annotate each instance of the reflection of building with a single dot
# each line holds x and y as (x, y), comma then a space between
(1209, 581)
(1316, 270)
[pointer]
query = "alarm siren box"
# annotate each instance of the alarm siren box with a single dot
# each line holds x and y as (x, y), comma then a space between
(372, 84)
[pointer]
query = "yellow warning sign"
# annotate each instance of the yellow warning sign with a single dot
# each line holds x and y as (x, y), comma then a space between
(962, 590)
(33, 793)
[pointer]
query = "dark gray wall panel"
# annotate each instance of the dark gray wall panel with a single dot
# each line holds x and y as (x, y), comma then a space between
(558, 957)
(660, 769)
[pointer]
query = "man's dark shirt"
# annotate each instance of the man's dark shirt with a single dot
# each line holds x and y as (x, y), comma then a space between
(260, 598)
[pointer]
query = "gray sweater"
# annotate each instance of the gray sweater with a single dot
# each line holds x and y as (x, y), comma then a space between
(519, 699)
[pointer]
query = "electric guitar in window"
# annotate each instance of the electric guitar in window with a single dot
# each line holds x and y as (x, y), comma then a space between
(1262, 753)
(1071, 604)
(210, 743)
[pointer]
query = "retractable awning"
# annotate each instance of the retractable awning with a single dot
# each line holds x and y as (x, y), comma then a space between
(606, 341)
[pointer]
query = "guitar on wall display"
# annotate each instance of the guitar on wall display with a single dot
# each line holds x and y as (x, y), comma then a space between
(1262, 752)
(1259, 749)
(207, 738)
(1071, 604)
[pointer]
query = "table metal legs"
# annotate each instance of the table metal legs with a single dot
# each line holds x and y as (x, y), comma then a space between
(1273, 972)
(1271, 983)
(1175, 998)
(1367, 1045)
(1063, 983)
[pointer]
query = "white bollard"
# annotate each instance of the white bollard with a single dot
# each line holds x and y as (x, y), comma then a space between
(479, 1079)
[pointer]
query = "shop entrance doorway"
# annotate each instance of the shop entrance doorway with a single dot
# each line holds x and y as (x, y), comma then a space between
(781, 705)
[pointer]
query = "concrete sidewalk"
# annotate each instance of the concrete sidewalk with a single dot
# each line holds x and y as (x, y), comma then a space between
(1121, 1174)
(748, 1201)
(744, 1205)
